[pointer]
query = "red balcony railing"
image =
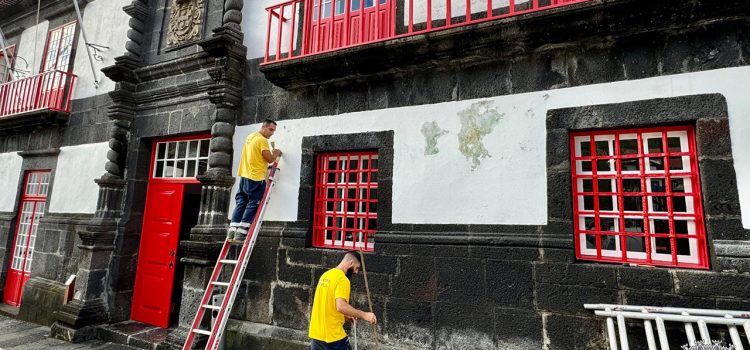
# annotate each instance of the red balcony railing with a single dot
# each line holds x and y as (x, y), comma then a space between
(46, 91)
(298, 28)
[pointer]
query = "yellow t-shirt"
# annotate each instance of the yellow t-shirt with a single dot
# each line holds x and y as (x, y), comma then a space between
(252, 164)
(327, 323)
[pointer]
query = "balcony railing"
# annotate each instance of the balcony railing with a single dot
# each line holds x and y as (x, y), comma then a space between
(299, 28)
(49, 91)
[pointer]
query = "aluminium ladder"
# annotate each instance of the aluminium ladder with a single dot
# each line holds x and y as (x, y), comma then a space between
(216, 331)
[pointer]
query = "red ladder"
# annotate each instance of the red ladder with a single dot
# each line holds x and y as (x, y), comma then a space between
(217, 330)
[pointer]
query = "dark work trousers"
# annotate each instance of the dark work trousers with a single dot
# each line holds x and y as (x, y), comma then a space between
(247, 199)
(342, 344)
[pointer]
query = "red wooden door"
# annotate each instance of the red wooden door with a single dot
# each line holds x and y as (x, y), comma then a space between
(332, 26)
(152, 296)
(33, 203)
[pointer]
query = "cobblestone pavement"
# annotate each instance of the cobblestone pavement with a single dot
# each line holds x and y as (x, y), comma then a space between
(20, 335)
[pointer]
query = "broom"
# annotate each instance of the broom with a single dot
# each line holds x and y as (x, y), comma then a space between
(369, 300)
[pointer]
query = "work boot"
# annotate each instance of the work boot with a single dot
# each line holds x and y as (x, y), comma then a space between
(240, 234)
(232, 231)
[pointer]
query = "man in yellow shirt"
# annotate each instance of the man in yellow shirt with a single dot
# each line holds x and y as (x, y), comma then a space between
(256, 154)
(331, 305)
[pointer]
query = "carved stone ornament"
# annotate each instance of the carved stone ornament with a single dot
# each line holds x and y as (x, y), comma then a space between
(185, 22)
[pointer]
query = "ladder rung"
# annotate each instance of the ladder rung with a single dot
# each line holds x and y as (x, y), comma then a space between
(212, 307)
(220, 284)
(200, 331)
(226, 261)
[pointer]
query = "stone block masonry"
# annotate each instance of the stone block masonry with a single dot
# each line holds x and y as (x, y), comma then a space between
(429, 301)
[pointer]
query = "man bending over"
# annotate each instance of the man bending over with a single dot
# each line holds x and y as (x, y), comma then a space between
(331, 305)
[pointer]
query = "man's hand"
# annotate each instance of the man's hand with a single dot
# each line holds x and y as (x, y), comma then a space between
(370, 317)
(276, 153)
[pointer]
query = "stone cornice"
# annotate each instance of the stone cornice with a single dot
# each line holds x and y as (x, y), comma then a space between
(186, 64)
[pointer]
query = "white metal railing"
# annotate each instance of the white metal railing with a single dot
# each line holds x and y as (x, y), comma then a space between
(701, 317)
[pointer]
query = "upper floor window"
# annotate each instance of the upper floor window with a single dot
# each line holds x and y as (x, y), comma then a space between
(637, 198)
(59, 48)
(346, 205)
(6, 66)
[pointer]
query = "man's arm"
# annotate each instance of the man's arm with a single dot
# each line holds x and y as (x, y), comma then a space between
(269, 156)
(343, 307)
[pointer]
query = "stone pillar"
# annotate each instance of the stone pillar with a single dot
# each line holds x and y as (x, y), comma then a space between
(92, 301)
(201, 251)
(76, 320)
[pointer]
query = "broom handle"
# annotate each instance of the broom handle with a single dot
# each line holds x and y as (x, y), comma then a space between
(369, 299)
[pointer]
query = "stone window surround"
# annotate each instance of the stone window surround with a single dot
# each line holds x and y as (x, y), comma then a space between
(382, 141)
(707, 112)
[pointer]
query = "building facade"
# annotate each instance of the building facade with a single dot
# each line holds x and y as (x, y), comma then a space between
(501, 163)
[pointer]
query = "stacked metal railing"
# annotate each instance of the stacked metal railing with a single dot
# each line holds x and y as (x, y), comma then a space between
(733, 320)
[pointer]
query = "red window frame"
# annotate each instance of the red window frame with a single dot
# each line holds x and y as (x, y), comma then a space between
(345, 208)
(34, 196)
(11, 50)
(646, 181)
(57, 39)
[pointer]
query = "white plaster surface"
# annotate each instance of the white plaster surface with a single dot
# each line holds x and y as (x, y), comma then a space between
(30, 53)
(254, 22)
(106, 24)
(74, 189)
(509, 187)
(10, 174)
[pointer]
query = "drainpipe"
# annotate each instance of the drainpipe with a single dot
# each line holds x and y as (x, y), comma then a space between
(86, 43)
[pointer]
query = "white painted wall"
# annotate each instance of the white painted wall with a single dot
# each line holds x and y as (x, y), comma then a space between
(74, 189)
(30, 51)
(106, 24)
(254, 20)
(10, 174)
(510, 186)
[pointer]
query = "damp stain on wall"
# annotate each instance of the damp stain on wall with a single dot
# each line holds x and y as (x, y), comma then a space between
(477, 121)
(431, 132)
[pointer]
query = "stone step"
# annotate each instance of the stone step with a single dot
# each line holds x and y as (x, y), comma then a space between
(134, 334)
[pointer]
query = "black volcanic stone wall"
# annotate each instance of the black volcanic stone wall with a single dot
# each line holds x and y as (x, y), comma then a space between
(499, 286)
(88, 123)
(584, 61)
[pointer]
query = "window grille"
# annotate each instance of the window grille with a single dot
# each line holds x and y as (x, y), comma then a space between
(346, 205)
(636, 197)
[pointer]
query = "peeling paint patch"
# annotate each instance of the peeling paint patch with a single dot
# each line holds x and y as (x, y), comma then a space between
(477, 121)
(431, 132)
